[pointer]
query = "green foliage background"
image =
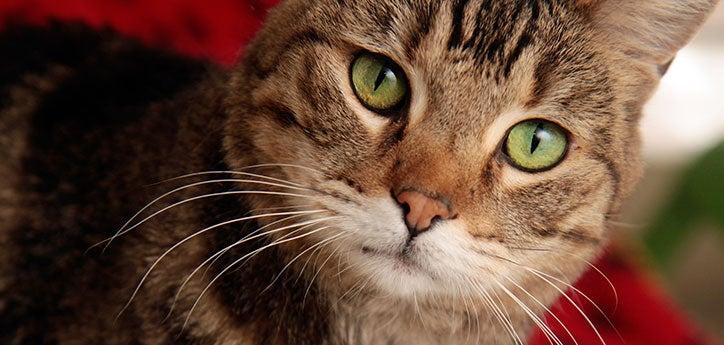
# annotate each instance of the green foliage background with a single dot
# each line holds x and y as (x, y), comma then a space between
(697, 200)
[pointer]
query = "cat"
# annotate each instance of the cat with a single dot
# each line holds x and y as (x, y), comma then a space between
(371, 172)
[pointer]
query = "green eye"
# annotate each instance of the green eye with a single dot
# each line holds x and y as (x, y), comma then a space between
(536, 145)
(378, 82)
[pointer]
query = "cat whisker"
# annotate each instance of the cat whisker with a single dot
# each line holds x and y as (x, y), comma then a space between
(576, 290)
(504, 319)
(309, 258)
(361, 288)
(584, 260)
(417, 309)
(273, 244)
(467, 308)
(188, 238)
(548, 310)
(204, 196)
(311, 281)
(301, 225)
(476, 313)
(281, 208)
(122, 229)
(578, 308)
(220, 253)
(507, 317)
(541, 275)
(468, 314)
(340, 272)
(243, 173)
(552, 338)
(349, 290)
(357, 283)
(287, 235)
(226, 172)
(356, 289)
(289, 264)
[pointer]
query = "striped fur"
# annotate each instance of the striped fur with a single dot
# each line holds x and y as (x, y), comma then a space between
(88, 119)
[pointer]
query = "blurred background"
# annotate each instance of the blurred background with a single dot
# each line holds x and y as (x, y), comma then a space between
(675, 221)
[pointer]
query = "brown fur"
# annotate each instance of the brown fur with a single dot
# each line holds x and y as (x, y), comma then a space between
(77, 164)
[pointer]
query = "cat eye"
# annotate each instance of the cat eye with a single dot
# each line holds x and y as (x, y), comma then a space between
(536, 145)
(378, 82)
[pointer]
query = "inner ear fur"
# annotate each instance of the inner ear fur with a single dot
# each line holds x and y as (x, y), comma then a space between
(648, 30)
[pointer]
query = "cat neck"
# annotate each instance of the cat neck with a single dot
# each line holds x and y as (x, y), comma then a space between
(383, 320)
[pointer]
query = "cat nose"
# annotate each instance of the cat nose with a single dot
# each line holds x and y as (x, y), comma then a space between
(421, 211)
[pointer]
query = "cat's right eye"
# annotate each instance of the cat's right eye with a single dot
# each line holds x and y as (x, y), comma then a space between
(536, 145)
(378, 82)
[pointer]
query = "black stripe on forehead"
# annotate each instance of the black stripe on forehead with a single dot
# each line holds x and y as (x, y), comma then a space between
(500, 33)
(457, 24)
(426, 14)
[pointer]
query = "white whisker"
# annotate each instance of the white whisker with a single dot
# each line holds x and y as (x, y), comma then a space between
(544, 307)
(504, 319)
(477, 316)
(155, 263)
(121, 229)
(227, 172)
(311, 281)
(247, 238)
(506, 315)
(467, 310)
(318, 244)
(546, 330)
(220, 253)
(205, 196)
(306, 262)
(280, 208)
(417, 309)
(591, 265)
(574, 289)
(275, 243)
(578, 308)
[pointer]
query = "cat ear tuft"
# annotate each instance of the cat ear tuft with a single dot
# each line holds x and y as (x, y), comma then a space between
(649, 30)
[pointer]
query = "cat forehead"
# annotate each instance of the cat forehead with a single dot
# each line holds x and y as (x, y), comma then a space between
(506, 53)
(483, 37)
(484, 27)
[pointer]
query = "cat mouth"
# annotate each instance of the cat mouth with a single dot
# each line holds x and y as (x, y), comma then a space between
(403, 260)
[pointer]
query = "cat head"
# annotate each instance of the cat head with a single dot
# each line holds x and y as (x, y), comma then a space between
(454, 146)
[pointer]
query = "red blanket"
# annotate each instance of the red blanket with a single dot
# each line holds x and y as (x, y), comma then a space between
(218, 29)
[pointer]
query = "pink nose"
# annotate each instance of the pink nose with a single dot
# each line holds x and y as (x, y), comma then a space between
(422, 210)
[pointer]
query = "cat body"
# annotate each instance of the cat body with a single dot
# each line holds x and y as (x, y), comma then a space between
(288, 202)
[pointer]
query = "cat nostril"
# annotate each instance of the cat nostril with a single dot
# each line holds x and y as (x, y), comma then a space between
(405, 208)
(435, 220)
(421, 210)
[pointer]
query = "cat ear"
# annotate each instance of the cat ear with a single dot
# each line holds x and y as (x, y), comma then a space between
(649, 30)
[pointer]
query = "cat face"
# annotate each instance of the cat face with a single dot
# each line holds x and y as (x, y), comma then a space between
(454, 146)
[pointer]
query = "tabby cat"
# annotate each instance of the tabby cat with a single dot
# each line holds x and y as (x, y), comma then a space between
(371, 172)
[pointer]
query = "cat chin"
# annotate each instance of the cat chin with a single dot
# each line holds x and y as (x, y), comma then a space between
(434, 265)
(412, 279)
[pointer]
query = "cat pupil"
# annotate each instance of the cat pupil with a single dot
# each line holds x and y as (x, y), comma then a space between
(537, 136)
(385, 72)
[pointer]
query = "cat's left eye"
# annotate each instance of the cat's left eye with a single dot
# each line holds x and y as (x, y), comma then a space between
(378, 82)
(536, 145)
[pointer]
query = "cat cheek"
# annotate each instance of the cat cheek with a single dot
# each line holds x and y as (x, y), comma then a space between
(373, 124)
